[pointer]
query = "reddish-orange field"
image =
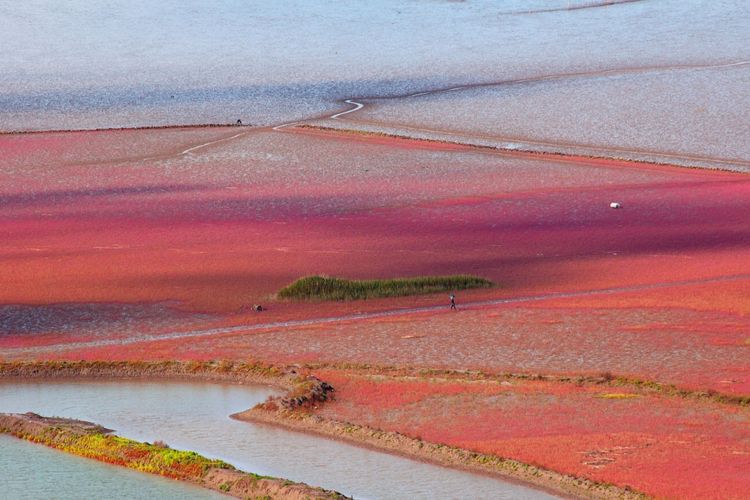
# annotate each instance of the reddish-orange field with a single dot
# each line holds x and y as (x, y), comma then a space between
(113, 239)
(669, 447)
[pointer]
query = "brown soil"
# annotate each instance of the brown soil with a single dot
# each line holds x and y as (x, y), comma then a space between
(33, 424)
(224, 371)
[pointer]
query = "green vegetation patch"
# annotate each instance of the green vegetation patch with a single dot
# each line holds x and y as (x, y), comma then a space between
(156, 459)
(618, 395)
(327, 288)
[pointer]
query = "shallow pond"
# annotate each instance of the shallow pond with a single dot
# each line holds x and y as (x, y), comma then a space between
(195, 416)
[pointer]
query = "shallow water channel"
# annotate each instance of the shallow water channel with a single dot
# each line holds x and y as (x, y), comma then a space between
(195, 416)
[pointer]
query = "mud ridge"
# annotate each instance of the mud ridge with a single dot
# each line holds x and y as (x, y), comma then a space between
(121, 129)
(711, 164)
(309, 390)
(210, 371)
(439, 454)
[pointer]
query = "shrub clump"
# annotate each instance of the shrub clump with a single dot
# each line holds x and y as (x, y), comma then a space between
(327, 288)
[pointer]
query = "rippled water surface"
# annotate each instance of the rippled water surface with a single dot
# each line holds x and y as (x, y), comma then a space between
(195, 417)
(32, 471)
(81, 64)
(695, 113)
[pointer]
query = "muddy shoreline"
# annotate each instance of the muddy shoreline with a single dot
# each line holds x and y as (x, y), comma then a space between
(235, 373)
(443, 455)
(289, 411)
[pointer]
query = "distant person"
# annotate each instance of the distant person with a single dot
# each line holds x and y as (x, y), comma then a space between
(239, 123)
(453, 302)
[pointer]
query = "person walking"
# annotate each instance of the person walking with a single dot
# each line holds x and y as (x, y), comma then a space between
(453, 303)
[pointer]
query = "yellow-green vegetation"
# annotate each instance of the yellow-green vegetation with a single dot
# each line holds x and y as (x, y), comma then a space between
(328, 288)
(145, 457)
(89, 440)
(618, 395)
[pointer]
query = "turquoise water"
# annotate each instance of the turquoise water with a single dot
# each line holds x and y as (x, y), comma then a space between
(32, 471)
(195, 416)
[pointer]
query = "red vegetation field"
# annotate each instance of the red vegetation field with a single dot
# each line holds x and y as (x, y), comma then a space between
(126, 236)
(692, 348)
(213, 231)
(666, 446)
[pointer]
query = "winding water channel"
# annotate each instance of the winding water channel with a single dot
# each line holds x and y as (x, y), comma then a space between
(195, 416)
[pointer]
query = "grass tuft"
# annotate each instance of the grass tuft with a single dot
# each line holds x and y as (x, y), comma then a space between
(327, 288)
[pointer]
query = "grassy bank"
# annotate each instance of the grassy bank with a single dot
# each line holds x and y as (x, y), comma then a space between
(327, 288)
(89, 440)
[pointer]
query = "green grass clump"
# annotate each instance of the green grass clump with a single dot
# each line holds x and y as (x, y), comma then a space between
(618, 395)
(326, 288)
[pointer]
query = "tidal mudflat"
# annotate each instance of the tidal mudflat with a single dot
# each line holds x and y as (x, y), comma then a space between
(142, 225)
(269, 63)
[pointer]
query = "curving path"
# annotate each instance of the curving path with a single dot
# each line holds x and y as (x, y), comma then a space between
(511, 144)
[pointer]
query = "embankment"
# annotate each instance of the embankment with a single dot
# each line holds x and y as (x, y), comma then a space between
(209, 371)
(90, 440)
(447, 456)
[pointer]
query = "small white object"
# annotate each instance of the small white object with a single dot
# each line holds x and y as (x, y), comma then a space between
(614, 204)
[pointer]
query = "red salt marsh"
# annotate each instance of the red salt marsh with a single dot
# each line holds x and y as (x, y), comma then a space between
(229, 223)
(138, 233)
(140, 238)
(667, 447)
(692, 349)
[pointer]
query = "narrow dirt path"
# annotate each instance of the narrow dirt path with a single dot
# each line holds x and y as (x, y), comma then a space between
(294, 323)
